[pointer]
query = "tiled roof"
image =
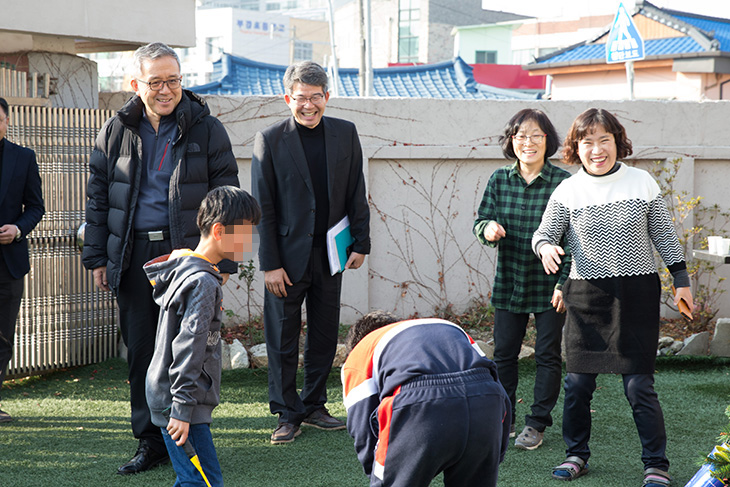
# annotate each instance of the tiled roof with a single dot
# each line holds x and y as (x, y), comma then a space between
(701, 34)
(449, 79)
(652, 47)
(720, 28)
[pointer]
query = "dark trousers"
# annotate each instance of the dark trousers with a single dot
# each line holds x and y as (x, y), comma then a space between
(11, 293)
(138, 315)
(457, 423)
(509, 331)
(648, 416)
(282, 326)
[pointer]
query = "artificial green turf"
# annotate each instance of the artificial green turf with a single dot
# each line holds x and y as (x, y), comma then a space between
(71, 429)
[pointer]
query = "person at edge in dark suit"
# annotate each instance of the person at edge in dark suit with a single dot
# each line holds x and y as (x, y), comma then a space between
(152, 165)
(307, 175)
(21, 208)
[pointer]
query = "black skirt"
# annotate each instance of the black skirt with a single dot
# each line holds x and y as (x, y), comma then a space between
(612, 324)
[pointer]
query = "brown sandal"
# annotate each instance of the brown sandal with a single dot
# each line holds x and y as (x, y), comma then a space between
(654, 477)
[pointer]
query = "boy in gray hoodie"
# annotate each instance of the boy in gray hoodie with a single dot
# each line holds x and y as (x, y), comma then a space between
(183, 380)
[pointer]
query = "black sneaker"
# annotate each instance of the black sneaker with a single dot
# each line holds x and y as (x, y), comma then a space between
(321, 418)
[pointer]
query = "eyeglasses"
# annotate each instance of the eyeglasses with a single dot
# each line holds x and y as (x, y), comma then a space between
(156, 85)
(302, 100)
(537, 138)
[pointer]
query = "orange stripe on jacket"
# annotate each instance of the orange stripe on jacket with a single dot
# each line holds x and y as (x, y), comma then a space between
(362, 355)
(385, 417)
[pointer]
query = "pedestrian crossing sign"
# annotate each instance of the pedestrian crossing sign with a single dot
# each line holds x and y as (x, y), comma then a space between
(624, 41)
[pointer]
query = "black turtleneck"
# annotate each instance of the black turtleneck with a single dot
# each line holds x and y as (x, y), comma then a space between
(316, 154)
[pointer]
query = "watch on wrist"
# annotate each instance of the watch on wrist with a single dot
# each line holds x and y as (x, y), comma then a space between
(18, 235)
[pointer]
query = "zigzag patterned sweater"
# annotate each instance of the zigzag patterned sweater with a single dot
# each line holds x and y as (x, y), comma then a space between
(612, 295)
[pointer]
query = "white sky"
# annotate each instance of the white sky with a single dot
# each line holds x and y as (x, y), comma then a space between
(581, 8)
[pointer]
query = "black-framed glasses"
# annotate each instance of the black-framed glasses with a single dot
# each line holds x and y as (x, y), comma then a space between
(156, 85)
(537, 138)
(302, 100)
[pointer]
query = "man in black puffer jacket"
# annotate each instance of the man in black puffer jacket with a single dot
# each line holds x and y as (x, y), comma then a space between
(152, 165)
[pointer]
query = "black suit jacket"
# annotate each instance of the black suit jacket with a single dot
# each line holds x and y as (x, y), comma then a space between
(282, 185)
(21, 203)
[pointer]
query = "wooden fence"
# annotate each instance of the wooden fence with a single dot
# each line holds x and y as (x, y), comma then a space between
(19, 84)
(64, 320)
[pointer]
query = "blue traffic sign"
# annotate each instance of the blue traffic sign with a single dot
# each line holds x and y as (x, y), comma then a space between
(624, 41)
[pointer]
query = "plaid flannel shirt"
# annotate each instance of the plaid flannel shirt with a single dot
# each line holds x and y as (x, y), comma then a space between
(520, 284)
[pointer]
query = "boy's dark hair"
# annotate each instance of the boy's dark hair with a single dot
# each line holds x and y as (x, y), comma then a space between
(4, 106)
(371, 321)
(227, 205)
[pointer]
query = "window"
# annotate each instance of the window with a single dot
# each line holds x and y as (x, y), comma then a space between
(409, 16)
(249, 5)
(213, 48)
(111, 83)
(485, 57)
(302, 51)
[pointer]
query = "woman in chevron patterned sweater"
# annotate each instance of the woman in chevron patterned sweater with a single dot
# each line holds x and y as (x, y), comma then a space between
(611, 215)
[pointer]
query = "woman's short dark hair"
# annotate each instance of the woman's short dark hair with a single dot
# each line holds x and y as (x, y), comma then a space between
(227, 205)
(585, 123)
(552, 140)
(370, 322)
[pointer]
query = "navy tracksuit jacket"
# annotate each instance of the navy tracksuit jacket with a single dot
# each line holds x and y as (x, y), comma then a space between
(422, 398)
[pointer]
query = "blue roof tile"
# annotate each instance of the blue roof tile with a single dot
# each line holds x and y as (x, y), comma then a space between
(450, 79)
(712, 28)
(719, 27)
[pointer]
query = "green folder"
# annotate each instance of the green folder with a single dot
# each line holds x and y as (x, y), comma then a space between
(339, 239)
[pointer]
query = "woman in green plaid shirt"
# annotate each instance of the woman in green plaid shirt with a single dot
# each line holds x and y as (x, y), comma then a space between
(509, 214)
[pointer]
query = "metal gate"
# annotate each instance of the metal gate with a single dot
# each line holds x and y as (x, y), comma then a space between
(64, 320)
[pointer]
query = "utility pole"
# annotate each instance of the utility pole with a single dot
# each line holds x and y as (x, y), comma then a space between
(368, 50)
(365, 77)
(336, 69)
(363, 48)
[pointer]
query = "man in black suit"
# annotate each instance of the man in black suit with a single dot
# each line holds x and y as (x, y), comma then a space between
(307, 175)
(21, 208)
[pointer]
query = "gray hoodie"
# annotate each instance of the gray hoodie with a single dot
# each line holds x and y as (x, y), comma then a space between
(184, 377)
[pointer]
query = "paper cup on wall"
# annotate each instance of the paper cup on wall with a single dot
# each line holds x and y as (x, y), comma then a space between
(713, 244)
(724, 246)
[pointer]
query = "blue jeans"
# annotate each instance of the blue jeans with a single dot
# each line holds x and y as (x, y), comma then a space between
(187, 475)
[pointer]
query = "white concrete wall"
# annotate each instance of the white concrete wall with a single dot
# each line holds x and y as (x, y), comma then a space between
(105, 20)
(427, 164)
(76, 79)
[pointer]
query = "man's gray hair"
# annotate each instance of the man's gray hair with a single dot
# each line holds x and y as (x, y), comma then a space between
(154, 50)
(306, 72)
